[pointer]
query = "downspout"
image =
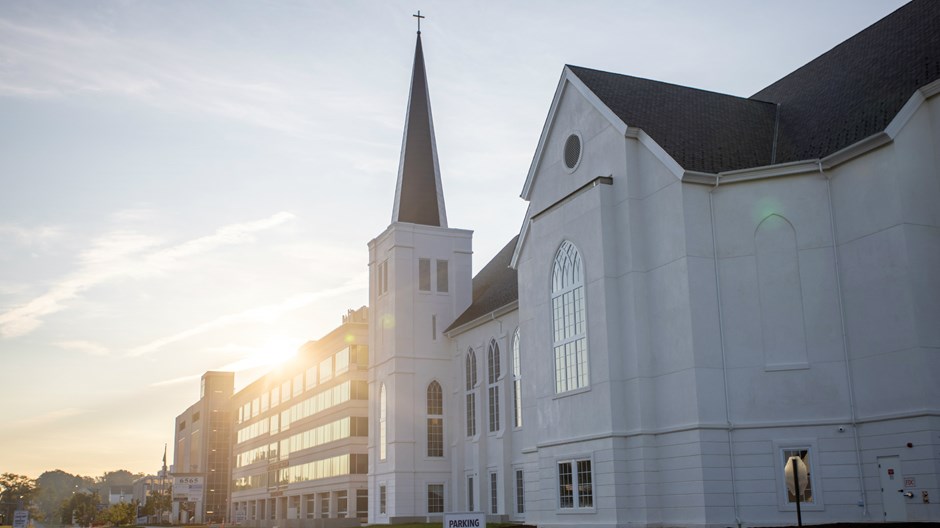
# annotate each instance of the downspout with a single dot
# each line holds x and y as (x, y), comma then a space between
(724, 364)
(845, 345)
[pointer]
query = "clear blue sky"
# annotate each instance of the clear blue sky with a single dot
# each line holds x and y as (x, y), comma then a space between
(190, 185)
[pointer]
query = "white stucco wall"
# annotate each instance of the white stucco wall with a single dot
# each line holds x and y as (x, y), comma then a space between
(664, 356)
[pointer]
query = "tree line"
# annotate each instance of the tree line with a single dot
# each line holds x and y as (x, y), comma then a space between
(58, 497)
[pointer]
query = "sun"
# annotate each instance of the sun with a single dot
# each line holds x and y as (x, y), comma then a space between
(268, 355)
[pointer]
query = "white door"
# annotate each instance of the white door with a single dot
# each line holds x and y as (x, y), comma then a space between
(892, 488)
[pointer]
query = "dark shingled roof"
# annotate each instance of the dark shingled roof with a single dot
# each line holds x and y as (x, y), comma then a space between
(703, 131)
(855, 89)
(494, 287)
(843, 96)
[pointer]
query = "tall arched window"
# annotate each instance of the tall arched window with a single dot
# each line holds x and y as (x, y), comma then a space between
(516, 381)
(435, 420)
(471, 395)
(568, 324)
(383, 409)
(492, 376)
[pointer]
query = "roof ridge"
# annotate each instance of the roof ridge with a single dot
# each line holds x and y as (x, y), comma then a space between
(666, 83)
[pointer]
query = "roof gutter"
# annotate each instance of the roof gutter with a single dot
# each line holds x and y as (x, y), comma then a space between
(483, 319)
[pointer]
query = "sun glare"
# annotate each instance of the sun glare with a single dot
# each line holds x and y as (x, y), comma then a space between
(270, 354)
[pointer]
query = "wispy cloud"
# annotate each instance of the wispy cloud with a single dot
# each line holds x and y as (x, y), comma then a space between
(92, 349)
(123, 254)
(63, 58)
(261, 314)
(49, 417)
(176, 381)
(30, 236)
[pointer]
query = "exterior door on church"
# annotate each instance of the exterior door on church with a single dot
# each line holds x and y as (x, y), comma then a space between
(892, 488)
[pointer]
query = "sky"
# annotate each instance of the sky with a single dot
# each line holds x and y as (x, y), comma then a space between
(191, 185)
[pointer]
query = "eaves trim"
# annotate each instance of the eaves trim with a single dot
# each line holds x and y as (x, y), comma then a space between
(483, 319)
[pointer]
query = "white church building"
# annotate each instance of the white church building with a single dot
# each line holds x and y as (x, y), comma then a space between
(704, 286)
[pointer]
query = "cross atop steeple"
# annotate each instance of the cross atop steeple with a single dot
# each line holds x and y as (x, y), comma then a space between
(419, 17)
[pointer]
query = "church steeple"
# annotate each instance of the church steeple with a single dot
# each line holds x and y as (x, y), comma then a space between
(419, 197)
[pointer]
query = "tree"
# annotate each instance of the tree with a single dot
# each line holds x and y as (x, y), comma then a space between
(57, 487)
(120, 514)
(121, 477)
(82, 508)
(16, 491)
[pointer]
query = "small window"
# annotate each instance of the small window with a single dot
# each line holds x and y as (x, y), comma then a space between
(342, 361)
(801, 456)
(470, 502)
(311, 377)
(298, 384)
(435, 419)
(520, 492)
(572, 152)
(575, 484)
(435, 498)
(342, 504)
(275, 396)
(285, 390)
(494, 494)
(326, 369)
(384, 288)
(383, 409)
(382, 499)
(195, 416)
(424, 274)
(442, 276)
(362, 503)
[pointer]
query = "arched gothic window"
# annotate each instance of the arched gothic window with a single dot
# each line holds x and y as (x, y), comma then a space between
(471, 394)
(516, 381)
(435, 420)
(383, 409)
(568, 320)
(493, 373)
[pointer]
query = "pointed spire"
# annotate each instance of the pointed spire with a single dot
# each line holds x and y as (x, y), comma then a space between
(419, 197)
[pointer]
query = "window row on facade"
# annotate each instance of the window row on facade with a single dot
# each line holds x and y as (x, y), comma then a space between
(319, 505)
(314, 437)
(339, 465)
(319, 402)
(353, 356)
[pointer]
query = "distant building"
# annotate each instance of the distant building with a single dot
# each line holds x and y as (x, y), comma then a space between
(203, 451)
(120, 494)
(706, 290)
(145, 488)
(300, 442)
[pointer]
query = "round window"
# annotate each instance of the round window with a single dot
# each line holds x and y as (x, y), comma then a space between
(572, 151)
